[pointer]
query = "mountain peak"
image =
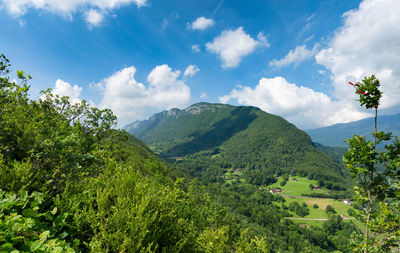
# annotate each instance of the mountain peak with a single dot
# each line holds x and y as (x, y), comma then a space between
(203, 106)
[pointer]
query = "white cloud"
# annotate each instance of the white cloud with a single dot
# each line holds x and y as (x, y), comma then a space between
(233, 45)
(162, 76)
(131, 100)
(202, 23)
(67, 7)
(300, 105)
(164, 24)
(94, 17)
(295, 56)
(203, 95)
(63, 88)
(368, 43)
(262, 39)
(191, 70)
(196, 48)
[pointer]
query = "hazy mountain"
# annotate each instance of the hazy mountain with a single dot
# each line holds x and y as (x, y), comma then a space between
(336, 135)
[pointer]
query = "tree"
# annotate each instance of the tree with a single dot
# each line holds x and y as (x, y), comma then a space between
(330, 209)
(378, 173)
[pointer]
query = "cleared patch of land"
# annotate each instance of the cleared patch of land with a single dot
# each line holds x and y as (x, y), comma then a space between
(319, 213)
(297, 186)
(293, 190)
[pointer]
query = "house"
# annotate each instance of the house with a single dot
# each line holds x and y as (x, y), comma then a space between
(317, 188)
(347, 202)
(275, 190)
(294, 179)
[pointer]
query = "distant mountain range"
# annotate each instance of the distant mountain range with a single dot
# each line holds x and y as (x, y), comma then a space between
(224, 136)
(335, 135)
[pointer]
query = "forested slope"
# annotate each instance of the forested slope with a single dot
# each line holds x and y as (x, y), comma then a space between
(225, 136)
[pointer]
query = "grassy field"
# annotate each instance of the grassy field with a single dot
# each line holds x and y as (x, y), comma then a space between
(298, 187)
(301, 186)
(319, 213)
(232, 175)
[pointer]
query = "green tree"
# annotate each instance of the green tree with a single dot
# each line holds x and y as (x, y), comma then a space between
(377, 189)
(330, 209)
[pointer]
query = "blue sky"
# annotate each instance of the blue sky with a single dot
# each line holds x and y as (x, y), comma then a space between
(138, 57)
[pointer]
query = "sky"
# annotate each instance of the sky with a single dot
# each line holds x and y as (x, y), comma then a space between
(139, 57)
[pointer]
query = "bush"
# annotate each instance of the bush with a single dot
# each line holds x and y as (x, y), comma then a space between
(330, 210)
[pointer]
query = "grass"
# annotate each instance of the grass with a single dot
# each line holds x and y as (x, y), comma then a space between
(316, 223)
(231, 175)
(318, 213)
(296, 188)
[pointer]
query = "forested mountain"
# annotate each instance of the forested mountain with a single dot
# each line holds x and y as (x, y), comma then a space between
(226, 136)
(335, 135)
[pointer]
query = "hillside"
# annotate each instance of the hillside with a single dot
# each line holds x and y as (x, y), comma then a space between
(335, 135)
(226, 136)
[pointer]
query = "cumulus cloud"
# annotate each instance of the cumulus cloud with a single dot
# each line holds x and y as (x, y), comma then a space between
(94, 17)
(262, 39)
(68, 7)
(196, 48)
(202, 23)
(300, 105)
(63, 88)
(295, 56)
(131, 100)
(203, 95)
(368, 43)
(191, 70)
(233, 45)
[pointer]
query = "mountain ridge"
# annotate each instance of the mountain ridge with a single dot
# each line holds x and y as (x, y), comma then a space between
(336, 134)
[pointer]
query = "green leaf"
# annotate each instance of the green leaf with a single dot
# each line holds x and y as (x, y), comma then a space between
(7, 246)
(60, 220)
(35, 245)
(29, 213)
(43, 236)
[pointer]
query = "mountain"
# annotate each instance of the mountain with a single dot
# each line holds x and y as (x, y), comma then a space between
(207, 139)
(335, 135)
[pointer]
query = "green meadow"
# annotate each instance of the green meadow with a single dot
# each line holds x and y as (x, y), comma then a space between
(297, 187)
